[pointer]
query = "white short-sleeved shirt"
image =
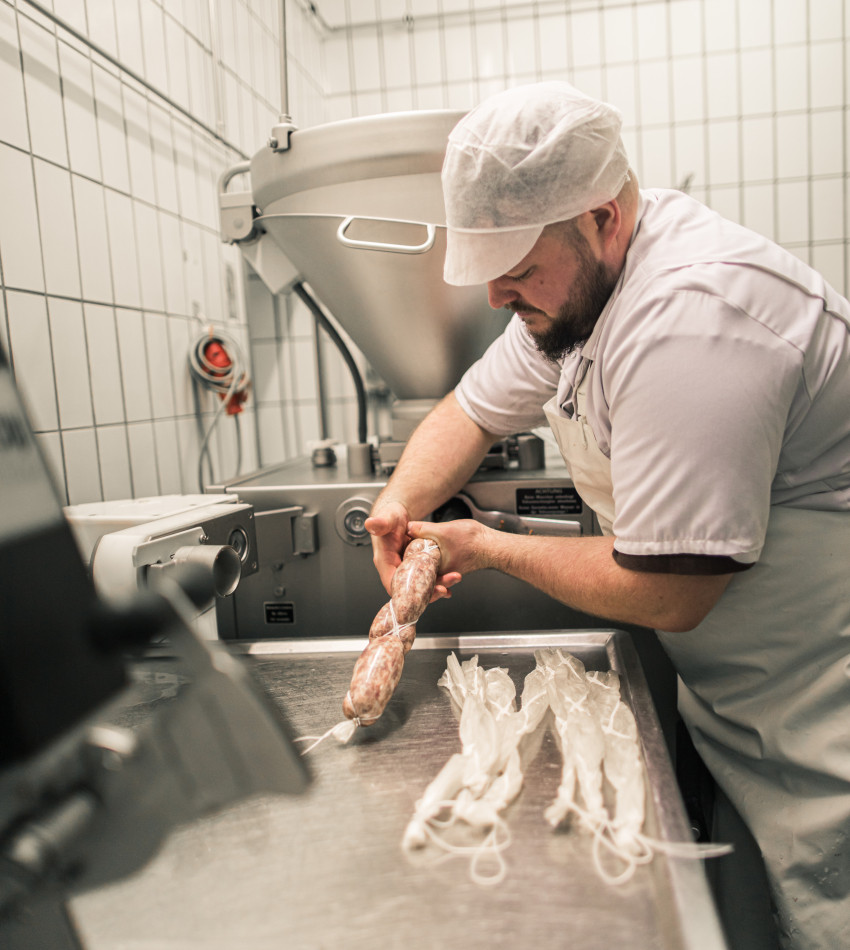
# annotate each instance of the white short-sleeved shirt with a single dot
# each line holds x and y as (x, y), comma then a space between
(719, 385)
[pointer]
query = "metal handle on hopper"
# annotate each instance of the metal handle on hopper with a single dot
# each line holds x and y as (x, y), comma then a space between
(379, 246)
(240, 168)
(235, 210)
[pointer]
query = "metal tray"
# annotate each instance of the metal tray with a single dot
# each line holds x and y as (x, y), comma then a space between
(326, 869)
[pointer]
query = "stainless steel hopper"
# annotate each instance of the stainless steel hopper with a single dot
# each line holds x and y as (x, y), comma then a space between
(357, 209)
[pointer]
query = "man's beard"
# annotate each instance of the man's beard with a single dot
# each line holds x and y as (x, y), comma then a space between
(576, 319)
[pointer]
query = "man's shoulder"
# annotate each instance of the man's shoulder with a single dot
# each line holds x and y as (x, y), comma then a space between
(681, 242)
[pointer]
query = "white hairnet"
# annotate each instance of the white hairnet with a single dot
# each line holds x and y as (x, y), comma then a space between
(525, 158)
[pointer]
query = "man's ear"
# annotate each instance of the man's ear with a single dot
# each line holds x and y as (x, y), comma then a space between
(608, 218)
(603, 225)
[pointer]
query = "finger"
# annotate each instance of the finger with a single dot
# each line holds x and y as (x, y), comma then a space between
(378, 525)
(425, 530)
(442, 589)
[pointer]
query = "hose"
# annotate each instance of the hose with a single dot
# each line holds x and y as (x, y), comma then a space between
(216, 364)
(337, 340)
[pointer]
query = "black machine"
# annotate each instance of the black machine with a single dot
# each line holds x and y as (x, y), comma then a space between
(87, 796)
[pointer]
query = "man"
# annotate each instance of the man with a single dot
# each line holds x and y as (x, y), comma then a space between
(697, 380)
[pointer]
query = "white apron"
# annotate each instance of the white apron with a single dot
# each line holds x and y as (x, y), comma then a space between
(589, 468)
(765, 693)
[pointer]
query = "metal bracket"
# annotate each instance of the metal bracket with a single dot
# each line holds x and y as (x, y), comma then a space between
(304, 528)
(161, 550)
(305, 534)
(279, 139)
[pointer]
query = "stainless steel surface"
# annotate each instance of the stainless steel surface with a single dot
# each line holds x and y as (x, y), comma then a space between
(333, 588)
(128, 559)
(327, 869)
(516, 524)
(357, 207)
(385, 153)
(418, 333)
(96, 804)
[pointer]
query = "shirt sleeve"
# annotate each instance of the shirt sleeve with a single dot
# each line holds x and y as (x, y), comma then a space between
(692, 564)
(698, 395)
(505, 390)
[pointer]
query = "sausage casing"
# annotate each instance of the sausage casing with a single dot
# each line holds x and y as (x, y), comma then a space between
(375, 677)
(383, 625)
(378, 668)
(414, 580)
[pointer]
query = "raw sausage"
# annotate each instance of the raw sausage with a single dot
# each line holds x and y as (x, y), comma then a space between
(383, 625)
(413, 581)
(378, 669)
(376, 675)
(411, 590)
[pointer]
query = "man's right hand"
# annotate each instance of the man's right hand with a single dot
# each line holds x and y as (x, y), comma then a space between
(440, 457)
(388, 527)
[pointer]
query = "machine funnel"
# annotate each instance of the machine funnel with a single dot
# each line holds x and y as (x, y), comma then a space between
(357, 208)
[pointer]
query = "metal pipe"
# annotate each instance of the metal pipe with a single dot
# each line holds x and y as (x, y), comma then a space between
(218, 95)
(284, 88)
(44, 11)
(331, 331)
(477, 13)
(279, 138)
(319, 365)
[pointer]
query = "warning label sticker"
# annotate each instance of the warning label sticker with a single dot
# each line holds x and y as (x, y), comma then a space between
(280, 613)
(549, 501)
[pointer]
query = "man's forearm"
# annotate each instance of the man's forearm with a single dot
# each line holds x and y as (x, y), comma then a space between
(579, 572)
(582, 573)
(440, 457)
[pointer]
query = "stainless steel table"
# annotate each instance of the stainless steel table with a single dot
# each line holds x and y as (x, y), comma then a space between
(326, 869)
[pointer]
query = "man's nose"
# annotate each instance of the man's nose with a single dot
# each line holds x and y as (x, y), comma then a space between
(500, 293)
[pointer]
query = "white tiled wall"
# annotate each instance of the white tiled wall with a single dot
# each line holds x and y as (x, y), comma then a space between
(744, 100)
(110, 260)
(109, 249)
